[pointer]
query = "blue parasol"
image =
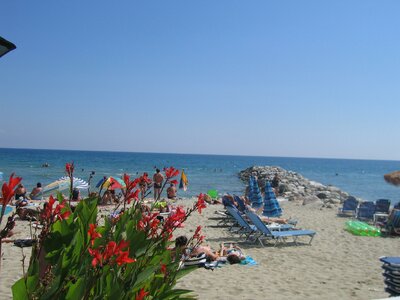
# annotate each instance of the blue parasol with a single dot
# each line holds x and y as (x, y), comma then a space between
(257, 200)
(271, 205)
(251, 187)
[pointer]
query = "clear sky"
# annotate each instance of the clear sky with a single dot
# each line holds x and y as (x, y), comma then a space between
(272, 78)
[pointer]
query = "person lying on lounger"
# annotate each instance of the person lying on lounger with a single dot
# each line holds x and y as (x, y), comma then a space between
(264, 218)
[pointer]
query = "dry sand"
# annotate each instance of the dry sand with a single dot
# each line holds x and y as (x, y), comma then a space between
(338, 265)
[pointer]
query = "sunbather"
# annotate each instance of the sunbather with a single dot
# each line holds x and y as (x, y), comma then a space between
(233, 253)
(265, 219)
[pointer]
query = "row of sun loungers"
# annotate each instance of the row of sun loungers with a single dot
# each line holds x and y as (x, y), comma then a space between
(373, 211)
(254, 229)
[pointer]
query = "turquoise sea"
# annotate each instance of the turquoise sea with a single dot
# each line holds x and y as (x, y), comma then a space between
(361, 178)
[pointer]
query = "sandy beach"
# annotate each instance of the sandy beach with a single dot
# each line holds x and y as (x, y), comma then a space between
(338, 265)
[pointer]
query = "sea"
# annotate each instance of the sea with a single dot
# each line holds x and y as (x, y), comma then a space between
(360, 178)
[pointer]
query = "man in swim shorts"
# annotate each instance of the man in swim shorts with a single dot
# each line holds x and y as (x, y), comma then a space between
(158, 179)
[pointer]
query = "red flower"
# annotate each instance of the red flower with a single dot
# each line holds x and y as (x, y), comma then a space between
(197, 232)
(49, 215)
(97, 257)
(93, 234)
(174, 221)
(111, 249)
(149, 222)
(163, 269)
(144, 179)
(132, 195)
(141, 294)
(112, 254)
(171, 172)
(8, 189)
(124, 259)
(200, 203)
(69, 169)
(175, 182)
(130, 185)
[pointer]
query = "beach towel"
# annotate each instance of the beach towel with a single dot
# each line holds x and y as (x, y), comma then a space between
(248, 261)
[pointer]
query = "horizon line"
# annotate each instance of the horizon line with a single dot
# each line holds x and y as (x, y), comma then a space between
(200, 154)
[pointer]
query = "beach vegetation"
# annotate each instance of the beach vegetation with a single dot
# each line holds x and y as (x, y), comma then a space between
(128, 254)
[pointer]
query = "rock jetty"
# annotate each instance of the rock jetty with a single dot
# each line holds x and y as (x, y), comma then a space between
(294, 187)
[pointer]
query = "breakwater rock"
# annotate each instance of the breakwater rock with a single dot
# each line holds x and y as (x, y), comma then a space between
(295, 187)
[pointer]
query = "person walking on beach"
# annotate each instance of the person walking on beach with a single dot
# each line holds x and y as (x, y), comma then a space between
(158, 179)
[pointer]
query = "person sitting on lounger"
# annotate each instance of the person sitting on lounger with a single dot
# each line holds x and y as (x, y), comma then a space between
(228, 200)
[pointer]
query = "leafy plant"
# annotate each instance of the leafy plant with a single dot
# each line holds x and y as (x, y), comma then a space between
(80, 255)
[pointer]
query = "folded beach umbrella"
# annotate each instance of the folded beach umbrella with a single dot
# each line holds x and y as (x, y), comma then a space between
(271, 205)
(251, 187)
(184, 181)
(256, 201)
(64, 183)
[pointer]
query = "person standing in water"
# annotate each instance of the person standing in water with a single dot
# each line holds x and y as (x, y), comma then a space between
(158, 180)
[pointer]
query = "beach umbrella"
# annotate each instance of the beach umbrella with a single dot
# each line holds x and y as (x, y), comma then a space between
(5, 46)
(251, 187)
(64, 183)
(393, 178)
(257, 200)
(183, 184)
(111, 183)
(271, 205)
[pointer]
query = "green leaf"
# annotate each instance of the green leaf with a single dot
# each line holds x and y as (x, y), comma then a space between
(185, 271)
(176, 294)
(76, 290)
(19, 290)
(32, 283)
(147, 274)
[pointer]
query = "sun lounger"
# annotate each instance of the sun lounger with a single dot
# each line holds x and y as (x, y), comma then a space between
(278, 236)
(391, 265)
(241, 224)
(366, 210)
(349, 207)
(392, 226)
(382, 206)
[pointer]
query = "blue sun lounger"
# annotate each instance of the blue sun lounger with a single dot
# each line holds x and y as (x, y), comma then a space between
(349, 207)
(240, 223)
(391, 274)
(278, 236)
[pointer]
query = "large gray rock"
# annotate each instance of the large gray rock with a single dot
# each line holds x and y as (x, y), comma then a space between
(311, 199)
(295, 187)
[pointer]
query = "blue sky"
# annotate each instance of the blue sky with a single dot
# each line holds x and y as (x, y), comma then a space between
(271, 78)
